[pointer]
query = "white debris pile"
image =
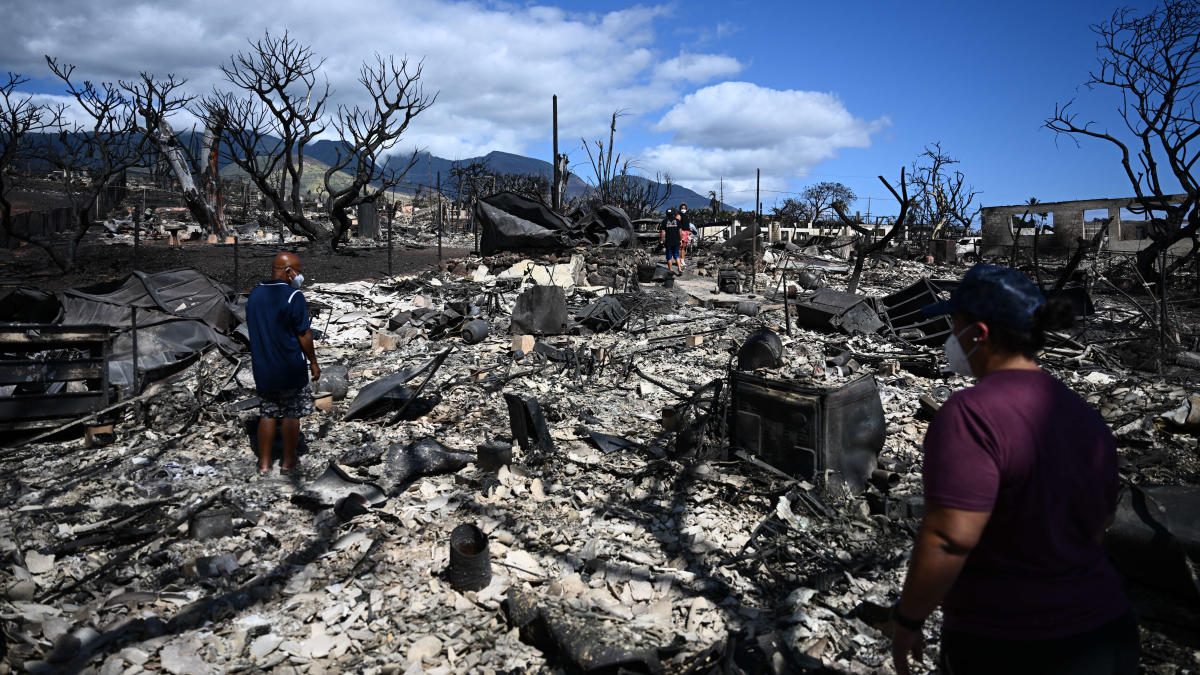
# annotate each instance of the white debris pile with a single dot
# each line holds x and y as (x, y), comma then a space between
(629, 525)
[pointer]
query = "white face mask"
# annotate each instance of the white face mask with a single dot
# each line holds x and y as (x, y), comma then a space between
(297, 281)
(958, 361)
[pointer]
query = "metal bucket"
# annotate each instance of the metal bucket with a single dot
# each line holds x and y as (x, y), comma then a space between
(474, 331)
(748, 308)
(470, 564)
(763, 349)
(808, 280)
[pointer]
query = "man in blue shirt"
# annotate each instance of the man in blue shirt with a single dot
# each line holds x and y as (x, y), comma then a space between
(281, 348)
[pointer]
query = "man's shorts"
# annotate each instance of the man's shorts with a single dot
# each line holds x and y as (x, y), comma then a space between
(288, 404)
(672, 252)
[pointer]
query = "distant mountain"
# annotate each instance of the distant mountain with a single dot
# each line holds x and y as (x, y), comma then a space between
(312, 180)
(321, 154)
(427, 167)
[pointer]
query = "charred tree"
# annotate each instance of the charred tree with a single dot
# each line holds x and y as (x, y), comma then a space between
(616, 184)
(531, 185)
(368, 133)
(1153, 61)
(267, 133)
(865, 244)
(105, 142)
(641, 197)
(21, 121)
(940, 194)
(825, 197)
(155, 100)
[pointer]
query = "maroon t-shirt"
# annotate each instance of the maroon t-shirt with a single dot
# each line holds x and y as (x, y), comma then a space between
(1022, 445)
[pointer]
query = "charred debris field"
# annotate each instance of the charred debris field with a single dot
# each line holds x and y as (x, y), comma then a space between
(531, 462)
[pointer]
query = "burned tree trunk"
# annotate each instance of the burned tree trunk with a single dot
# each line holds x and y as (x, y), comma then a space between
(205, 212)
(863, 247)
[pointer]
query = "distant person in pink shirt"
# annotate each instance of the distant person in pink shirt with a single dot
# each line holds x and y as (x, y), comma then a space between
(1020, 482)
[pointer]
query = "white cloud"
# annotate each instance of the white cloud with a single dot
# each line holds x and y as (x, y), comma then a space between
(732, 128)
(697, 68)
(495, 65)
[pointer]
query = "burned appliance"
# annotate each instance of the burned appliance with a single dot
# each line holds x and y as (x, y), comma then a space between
(729, 281)
(828, 310)
(902, 313)
(829, 436)
(40, 361)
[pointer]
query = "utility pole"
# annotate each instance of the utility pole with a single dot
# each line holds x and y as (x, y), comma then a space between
(757, 227)
(722, 203)
(439, 215)
(555, 202)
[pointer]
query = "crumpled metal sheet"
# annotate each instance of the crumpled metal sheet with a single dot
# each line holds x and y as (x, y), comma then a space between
(182, 293)
(161, 347)
(603, 314)
(180, 313)
(384, 393)
(607, 225)
(334, 485)
(511, 222)
(1155, 538)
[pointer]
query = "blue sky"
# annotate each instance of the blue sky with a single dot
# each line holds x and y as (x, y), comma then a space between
(805, 91)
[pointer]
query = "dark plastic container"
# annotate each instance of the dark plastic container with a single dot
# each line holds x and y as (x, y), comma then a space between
(470, 563)
(474, 331)
(763, 349)
(748, 308)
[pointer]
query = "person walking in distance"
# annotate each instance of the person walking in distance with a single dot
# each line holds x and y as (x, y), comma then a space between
(685, 234)
(1020, 481)
(283, 357)
(669, 236)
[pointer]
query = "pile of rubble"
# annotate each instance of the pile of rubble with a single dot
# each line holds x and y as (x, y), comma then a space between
(589, 426)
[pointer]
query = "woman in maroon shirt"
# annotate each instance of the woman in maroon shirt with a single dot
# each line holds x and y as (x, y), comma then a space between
(1020, 483)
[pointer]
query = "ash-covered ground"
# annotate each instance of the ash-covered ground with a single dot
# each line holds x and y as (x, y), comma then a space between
(669, 552)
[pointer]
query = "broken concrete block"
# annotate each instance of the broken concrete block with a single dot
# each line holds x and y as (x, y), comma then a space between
(323, 403)
(424, 648)
(523, 343)
(693, 340)
(384, 341)
(38, 563)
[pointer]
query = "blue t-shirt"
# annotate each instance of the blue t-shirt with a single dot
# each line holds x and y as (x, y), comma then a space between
(277, 314)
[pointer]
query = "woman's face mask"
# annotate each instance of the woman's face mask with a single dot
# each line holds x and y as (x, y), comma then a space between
(958, 360)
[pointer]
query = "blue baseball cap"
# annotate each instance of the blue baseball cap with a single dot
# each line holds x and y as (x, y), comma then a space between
(995, 294)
